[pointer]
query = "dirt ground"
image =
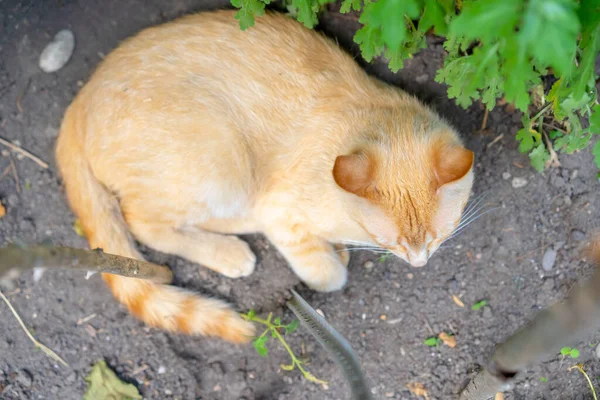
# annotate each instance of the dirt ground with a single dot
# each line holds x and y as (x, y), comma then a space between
(387, 309)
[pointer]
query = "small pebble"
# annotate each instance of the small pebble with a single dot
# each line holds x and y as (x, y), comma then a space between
(598, 351)
(422, 78)
(168, 392)
(506, 175)
(519, 182)
(5, 153)
(161, 370)
(58, 52)
(578, 235)
(548, 260)
(25, 378)
(487, 312)
(409, 276)
(369, 265)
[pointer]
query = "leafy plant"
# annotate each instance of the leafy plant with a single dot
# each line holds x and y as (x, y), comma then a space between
(567, 351)
(478, 305)
(433, 341)
(276, 330)
(538, 55)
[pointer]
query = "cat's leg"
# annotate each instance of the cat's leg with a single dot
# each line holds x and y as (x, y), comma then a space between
(226, 255)
(320, 264)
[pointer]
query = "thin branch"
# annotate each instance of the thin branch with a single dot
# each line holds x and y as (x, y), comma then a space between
(551, 329)
(27, 154)
(37, 344)
(16, 259)
(485, 118)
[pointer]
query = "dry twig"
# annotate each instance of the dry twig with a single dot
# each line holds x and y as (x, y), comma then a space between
(37, 344)
(21, 150)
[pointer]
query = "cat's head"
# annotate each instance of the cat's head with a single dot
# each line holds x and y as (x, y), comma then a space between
(412, 190)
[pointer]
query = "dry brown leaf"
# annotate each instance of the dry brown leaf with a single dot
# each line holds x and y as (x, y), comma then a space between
(2, 211)
(499, 396)
(458, 301)
(418, 389)
(448, 340)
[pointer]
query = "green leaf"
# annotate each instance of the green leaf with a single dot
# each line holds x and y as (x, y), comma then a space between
(277, 321)
(248, 10)
(596, 153)
(549, 31)
(565, 351)
(307, 12)
(251, 314)
(574, 353)
(260, 346)
(519, 73)
(432, 341)
(291, 327)
(433, 17)
(527, 139)
(103, 384)
(479, 305)
(595, 120)
(477, 18)
(539, 156)
(543, 379)
(355, 5)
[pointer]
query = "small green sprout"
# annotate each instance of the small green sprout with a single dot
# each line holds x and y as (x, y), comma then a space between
(479, 304)
(277, 330)
(567, 351)
(543, 379)
(433, 341)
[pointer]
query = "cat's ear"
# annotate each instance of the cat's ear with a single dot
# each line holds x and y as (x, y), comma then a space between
(353, 172)
(451, 163)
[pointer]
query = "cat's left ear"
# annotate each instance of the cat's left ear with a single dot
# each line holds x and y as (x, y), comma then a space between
(451, 163)
(353, 173)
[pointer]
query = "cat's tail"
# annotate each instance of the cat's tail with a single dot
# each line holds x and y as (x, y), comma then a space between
(162, 306)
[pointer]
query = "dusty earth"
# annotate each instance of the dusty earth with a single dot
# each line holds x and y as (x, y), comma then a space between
(387, 309)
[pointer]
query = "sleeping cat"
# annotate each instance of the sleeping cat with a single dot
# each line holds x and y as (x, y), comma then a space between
(194, 130)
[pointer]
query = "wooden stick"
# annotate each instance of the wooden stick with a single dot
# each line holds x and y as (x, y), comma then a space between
(24, 152)
(15, 259)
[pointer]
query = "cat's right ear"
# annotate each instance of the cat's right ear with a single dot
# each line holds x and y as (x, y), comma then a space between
(353, 173)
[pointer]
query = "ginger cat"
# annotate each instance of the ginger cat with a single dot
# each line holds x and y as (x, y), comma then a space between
(195, 130)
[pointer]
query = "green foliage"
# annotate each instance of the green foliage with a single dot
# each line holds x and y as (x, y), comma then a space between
(568, 351)
(433, 341)
(478, 305)
(276, 330)
(543, 379)
(496, 49)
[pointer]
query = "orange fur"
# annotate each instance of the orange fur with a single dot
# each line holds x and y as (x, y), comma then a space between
(195, 129)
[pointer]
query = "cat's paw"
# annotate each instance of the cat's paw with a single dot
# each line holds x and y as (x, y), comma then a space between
(234, 259)
(328, 278)
(342, 253)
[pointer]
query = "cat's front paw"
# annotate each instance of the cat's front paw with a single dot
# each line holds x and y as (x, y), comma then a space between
(328, 278)
(235, 259)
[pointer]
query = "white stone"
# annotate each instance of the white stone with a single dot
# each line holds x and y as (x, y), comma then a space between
(519, 182)
(58, 52)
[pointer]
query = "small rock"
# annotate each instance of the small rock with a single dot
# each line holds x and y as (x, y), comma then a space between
(161, 370)
(25, 378)
(548, 260)
(369, 265)
(58, 52)
(519, 182)
(598, 351)
(422, 78)
(487, 312)
(506, 175)
(13, 200)
(578, 235)
(5, 153)
(168, 392)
